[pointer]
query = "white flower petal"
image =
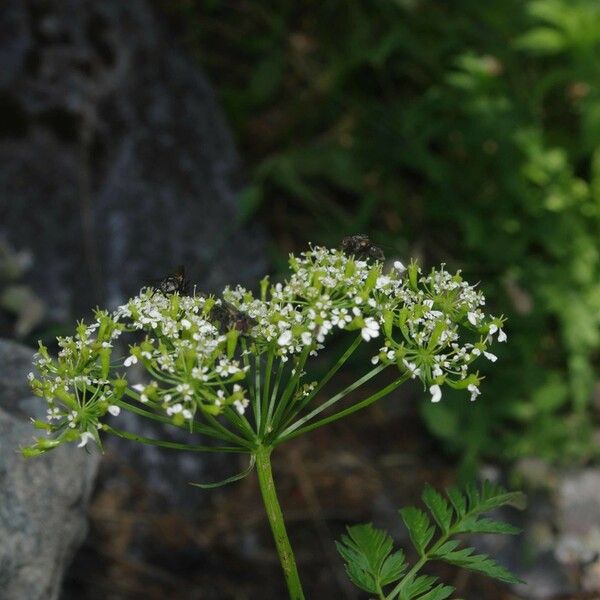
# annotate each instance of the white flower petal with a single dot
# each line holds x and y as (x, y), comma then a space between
(130, 360)
(436, 393)
(86, 436)
(285, 338)
(490, 356)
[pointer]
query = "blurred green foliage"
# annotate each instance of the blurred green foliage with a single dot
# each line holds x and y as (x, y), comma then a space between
(463, 131)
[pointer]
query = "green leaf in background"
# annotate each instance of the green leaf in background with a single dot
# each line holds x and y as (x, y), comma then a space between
(467, 132)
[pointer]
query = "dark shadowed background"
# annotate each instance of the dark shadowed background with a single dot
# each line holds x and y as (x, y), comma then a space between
(139, 135)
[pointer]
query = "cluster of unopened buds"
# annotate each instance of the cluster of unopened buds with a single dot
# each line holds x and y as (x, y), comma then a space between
(199, 361)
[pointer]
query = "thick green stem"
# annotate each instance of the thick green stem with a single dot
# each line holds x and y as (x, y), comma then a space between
(275, 516)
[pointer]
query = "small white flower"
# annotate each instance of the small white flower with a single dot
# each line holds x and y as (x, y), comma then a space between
(382, 281)
(370, 329)
(436, 393)
(185, 324)
(398, 266)
(375, 359)
(240, 405)
(285, 338)
(493, 329)
(130, 360)
(472, 317)
(502, 337)
(474, 391)
(138, 387)
(114, 410)
(412, 368)
(306, 338)
(86, 436)
(490, 356)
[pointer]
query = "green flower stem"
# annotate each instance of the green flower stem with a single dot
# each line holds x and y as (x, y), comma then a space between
(196, 427)
(339, 396)
(336, 367)
(265, 391)
(344, 413)
(240, 422)
(275, 516)
(172, 445)
(232, 437)
(287, 396)
(275, 391)
(257, 393)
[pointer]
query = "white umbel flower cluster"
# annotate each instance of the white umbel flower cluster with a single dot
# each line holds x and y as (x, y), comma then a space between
(189, 357)
(433, 325)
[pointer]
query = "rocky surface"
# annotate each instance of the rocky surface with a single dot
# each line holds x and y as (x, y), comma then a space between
(43, 501)
(115, 166)
(115, 162)
(558, 553)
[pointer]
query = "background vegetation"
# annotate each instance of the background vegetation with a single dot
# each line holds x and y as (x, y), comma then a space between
(462, 131)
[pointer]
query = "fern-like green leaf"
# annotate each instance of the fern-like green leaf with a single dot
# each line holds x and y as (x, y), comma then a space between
(439, 508)
(366, 552)
(417, 587)
(372, 565)
(481, 525)
(493, 496)
(477, 562)
(439, 592)
(419, 527)
(458, 501)
(393, 568)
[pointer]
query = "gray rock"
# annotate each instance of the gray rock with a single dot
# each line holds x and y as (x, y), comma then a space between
(578, 540)
(115, 166)
(42, 501)
(115, 162)
(558, 553)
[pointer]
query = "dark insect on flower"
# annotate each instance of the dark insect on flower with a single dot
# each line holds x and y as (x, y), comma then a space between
(229, 317)
(174, 282)
(361, 247)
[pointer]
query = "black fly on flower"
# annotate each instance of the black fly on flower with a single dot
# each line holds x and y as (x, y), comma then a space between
(227, 317)
(361, 247)
(172, 283)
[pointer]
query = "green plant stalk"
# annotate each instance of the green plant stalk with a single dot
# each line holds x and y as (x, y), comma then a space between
(265, 391)
(291, 433)
(325, 405)
(172, 445)
(275, 516)
(336, 367)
